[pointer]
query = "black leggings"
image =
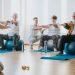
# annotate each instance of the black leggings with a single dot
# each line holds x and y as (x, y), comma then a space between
(65, 39)
(2, 38)
(55, 39)
(15, 38)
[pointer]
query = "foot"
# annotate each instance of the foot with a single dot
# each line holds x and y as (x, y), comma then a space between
(40, 48)
(31, 48)
(55, 50)
(60, 53)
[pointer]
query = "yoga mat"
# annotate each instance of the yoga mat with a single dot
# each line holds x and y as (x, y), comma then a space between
(42, 50)
(5, 51)
(59, 57)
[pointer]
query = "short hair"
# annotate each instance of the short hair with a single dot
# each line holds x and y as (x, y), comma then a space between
(54, 17)
(35, 18)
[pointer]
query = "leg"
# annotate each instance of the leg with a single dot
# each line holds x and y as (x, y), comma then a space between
(5, 37)
(55, 39)
(72, 38)
(33, 40)
(2, 38)
(64, 39)
(44, 38)
(15, 41)
(1, 42)
(62, 43)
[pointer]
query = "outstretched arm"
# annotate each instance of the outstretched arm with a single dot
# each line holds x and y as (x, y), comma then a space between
(3, 26)
(44, 26)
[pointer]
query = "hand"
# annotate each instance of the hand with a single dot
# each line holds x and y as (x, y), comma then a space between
(42, 30)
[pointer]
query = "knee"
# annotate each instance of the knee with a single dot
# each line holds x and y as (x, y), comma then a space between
(63, 38)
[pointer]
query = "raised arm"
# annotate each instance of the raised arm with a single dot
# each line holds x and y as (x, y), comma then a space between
(70, 30)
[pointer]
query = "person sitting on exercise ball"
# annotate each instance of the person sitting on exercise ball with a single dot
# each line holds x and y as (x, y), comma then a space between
(70, 35)
(13, 30)
(34, 32)
(53, 33)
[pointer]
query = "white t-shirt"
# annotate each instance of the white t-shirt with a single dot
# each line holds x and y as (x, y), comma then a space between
(13, 29)
(53, 30)
(33, 32)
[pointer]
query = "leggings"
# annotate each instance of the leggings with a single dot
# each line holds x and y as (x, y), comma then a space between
(65, 39)
(15, 39)
(2, 38)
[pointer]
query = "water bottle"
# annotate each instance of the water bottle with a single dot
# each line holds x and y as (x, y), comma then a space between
(45, 46)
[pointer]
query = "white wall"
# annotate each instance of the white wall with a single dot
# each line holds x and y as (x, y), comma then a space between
(70, 9)
(0, 9)
(6, 7)
(55, 8)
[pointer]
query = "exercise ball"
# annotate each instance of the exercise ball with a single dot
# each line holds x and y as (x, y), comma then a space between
(9, 45)
(1, 67)
(50, 45)
(19, 45)
(70, 48)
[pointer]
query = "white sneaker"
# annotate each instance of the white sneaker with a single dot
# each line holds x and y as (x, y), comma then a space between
(55, 50)
(40, 48)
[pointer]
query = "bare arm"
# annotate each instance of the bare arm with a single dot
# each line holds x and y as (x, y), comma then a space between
(44, 26)
(70, 30)
(38, 28)
(3, 26)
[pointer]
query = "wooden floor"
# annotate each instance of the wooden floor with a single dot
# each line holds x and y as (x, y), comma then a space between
(29, 63)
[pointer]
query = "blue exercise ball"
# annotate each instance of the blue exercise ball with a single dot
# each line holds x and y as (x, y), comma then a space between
(70, 48)
(9, 45)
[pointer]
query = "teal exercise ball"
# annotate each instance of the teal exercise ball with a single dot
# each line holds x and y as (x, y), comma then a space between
(9, 45)
(19, 45)
(70, 48)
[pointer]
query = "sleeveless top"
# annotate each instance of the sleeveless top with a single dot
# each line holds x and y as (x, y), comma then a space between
(52, 30)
